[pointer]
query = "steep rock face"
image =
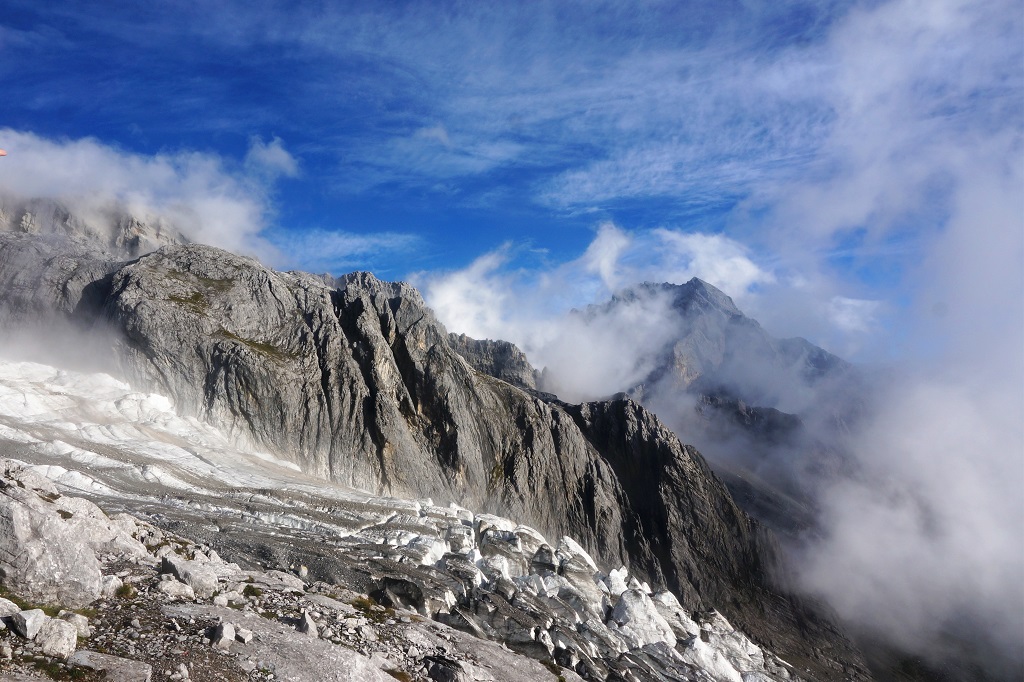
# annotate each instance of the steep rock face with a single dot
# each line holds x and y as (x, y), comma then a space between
(41, 279)
(360, 384)
(681, 518)
(499, 359)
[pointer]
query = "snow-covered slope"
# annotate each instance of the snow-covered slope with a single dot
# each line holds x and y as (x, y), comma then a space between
(93, 436)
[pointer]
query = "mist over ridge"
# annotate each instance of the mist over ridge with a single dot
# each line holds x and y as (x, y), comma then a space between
(916, 493)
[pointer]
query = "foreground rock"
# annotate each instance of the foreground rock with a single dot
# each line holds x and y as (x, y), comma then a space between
(428, 593)
(114, 669)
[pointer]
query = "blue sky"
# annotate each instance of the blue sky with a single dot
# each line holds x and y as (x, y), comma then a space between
(824, 142)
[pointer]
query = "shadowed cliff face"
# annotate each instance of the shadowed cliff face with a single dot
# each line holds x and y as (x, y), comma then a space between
(359, 384)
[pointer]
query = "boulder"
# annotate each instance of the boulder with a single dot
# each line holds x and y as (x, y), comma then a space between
(80, 622)
(44, 558)
(28, 623)
(176, 590)
(8, 608)
(115, 669)
(57, 638)
(200, 576)
(223, 636)
(109, 585)
(307, 625)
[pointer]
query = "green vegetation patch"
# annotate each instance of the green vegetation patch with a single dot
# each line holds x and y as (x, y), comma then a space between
(56, 671)
(267, 349)
(369, 608)
(214, 283)
(218, 285)
(197, 303)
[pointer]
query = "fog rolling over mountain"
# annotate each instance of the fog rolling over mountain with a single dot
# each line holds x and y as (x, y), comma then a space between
(874, 479)
(778, 410)
(354, 380)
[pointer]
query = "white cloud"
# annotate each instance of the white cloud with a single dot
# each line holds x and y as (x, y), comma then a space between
(603, 254)
(927, 147)
(270, 160)
(715, 258)
(197, 193)
(853, 314)
(334, 251)
(530, 306)
(928, 537)
(477, 300)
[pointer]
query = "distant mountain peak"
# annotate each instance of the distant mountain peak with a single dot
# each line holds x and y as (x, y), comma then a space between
(695, 294)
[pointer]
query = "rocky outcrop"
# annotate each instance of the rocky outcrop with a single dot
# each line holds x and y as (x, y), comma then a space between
(49, 544)
(499, 359)
(498, 602)
(359, 384)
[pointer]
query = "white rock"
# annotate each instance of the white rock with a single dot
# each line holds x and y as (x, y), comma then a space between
(27, 623)
(110, 585)
(744, 655)
(234, 597)
(80, 622)
(176, 590)
(223, 636)
(121, 669)
(290, 581)
(669, 608)
(637, 612)
(57, 638)
(616, 581)
(198, 575)
(8, 608)
(711, 661)
(45, 557)
(308, 626)
(571, 551)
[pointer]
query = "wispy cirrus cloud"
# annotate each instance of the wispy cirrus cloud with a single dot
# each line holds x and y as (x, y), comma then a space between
(336, 251)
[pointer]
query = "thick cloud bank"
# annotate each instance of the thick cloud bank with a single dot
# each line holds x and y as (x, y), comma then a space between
(199, 194)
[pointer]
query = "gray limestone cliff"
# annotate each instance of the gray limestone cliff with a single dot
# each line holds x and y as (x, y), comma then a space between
(361, 385)
(499, 359)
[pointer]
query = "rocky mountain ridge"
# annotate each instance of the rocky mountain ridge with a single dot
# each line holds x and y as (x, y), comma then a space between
(360, 385)
(421, 591)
